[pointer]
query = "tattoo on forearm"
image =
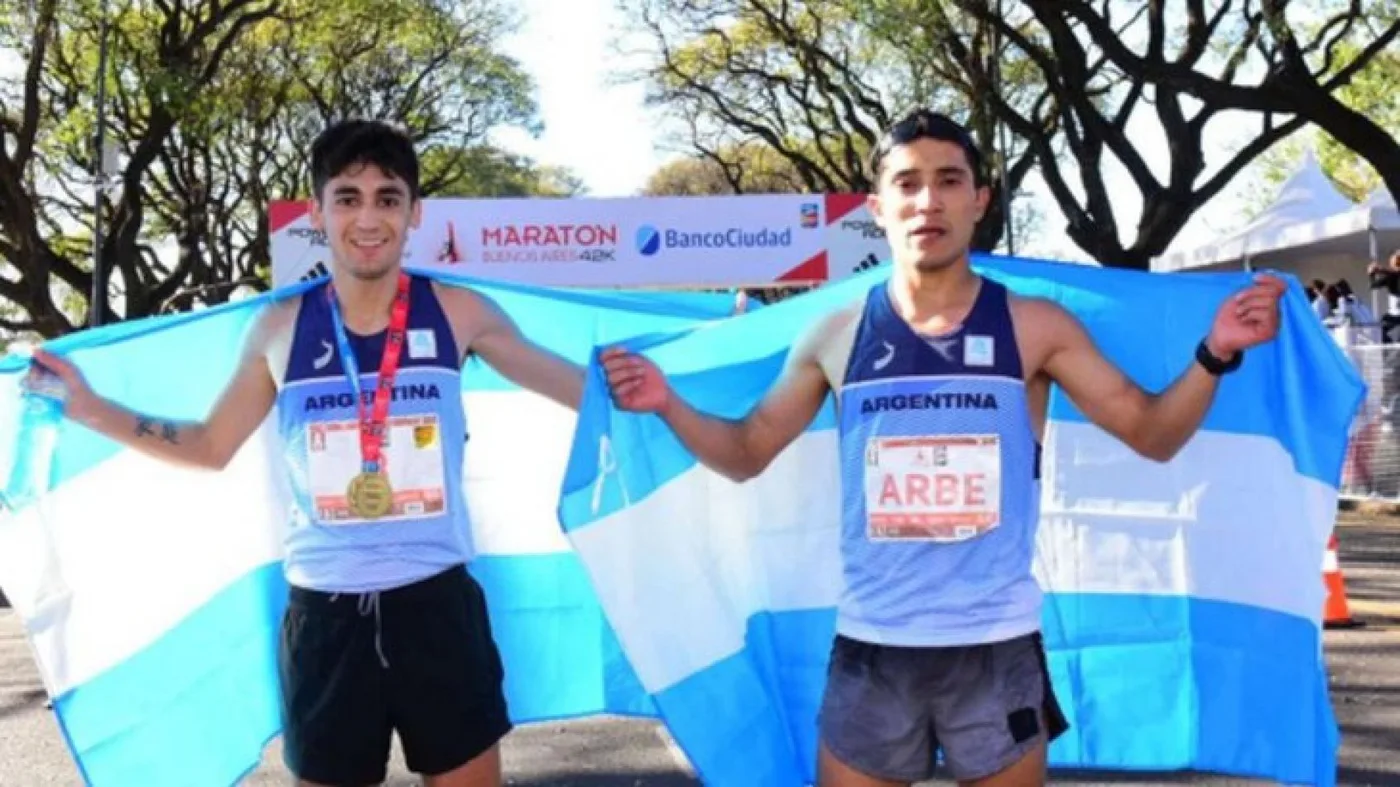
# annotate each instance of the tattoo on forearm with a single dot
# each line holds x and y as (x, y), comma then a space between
(148, 426)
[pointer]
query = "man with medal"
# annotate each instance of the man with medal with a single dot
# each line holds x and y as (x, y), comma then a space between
(385, 630)
(941, 378)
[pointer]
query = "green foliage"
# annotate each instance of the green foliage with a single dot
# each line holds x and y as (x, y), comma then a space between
(212, 107)
(484, 171)
(740, 169)
(1371, 93)
(1065, 88)
(814, 84)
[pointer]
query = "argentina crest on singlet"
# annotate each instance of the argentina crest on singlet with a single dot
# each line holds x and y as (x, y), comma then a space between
(329, 546)
(939, 480)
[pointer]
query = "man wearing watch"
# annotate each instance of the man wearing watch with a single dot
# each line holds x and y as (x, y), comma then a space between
(946, 372)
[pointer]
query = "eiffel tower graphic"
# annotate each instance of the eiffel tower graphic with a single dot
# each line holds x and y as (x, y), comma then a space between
(449, 253)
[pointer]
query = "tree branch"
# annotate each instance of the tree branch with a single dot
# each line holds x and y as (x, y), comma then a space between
(29, 125)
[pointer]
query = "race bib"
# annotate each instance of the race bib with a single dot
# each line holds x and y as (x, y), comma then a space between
(412, 458)
(932, 488)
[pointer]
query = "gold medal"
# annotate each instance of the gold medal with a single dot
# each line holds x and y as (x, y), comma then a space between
(370, 495)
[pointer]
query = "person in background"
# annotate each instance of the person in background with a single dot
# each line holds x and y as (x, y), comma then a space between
(1321, 303)
(1356, 315)
(1387, 278)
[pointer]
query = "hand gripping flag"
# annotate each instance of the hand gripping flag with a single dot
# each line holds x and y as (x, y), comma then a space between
(152, 594)
(1183, 600)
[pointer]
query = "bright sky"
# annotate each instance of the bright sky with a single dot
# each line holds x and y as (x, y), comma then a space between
(599, 128)
(601, 131)
(604, 134)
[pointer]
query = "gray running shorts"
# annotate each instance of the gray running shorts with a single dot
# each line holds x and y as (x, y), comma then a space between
(889, 711)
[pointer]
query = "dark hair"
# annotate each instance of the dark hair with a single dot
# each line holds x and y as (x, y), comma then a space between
(355, 142)
(1332, 294)
(927, 124)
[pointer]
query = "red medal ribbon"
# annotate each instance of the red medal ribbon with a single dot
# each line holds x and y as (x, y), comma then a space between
(374, 417)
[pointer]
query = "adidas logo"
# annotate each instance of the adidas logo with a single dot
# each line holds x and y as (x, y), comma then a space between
(316, 272)
(870, 261)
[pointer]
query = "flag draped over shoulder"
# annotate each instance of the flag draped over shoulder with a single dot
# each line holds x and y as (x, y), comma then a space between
(1183, 606)
(1183, 600)
(152, 594)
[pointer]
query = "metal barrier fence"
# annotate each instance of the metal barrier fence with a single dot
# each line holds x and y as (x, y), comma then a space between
(1372, 468)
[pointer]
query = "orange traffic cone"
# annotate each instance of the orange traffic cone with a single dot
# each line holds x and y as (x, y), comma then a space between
(1336, 613)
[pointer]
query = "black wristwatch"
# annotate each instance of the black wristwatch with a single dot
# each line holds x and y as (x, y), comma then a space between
(1214, 365)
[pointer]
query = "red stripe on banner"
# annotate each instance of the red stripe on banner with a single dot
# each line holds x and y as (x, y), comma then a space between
(813, 269)
(838, 205)
(282, 212)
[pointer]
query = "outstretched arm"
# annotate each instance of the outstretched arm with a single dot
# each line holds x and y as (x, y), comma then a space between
(208, 444)
(494, 336)
(1154, 425)
(738, 448)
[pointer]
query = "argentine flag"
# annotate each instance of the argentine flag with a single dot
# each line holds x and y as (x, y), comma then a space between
(152, 594)
(1184, 606)
(1183, 600)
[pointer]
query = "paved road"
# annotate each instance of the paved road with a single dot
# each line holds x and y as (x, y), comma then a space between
(1364, 665)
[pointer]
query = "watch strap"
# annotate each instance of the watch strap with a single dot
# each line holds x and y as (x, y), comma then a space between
(1214, 365)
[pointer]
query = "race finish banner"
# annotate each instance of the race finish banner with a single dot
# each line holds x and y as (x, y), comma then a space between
(639, 242)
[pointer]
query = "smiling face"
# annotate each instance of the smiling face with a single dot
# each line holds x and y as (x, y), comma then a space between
(366, 214)
(928, 202)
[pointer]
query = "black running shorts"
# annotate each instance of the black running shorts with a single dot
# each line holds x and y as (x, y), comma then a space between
(419, 660)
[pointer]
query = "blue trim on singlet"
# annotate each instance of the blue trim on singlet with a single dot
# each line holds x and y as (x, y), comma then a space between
(919, 592)
(394, 551)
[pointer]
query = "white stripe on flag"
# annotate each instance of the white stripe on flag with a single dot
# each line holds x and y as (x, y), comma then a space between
(516, 454)
(681, 571)
(115, 583)
(1205, 524)
(136, 544)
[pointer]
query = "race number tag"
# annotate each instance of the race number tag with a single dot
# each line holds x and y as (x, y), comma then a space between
(412, 457)
(932, 488)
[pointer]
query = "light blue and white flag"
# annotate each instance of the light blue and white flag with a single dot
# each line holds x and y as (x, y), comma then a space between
(1183, 600)
(152, 594)
(1182, 621)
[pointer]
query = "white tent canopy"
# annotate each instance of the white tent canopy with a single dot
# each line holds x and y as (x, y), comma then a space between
(1307, 211)
(1380, 218)
(1311, 230)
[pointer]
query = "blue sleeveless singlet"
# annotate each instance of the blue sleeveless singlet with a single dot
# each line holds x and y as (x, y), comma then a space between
(427, 531)
(940, 490)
